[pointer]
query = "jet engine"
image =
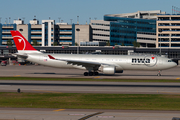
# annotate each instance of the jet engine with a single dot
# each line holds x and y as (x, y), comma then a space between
(110, 70)
(119, 71)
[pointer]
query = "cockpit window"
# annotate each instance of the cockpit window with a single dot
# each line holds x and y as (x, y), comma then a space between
(170, 61)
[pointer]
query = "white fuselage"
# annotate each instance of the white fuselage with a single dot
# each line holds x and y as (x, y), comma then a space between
(122, 62)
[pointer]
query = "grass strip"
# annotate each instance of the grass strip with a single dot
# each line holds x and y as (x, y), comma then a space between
(90, 79)
(90, 101)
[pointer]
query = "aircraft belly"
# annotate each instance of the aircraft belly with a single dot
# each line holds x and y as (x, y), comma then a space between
(139, 67)
(145, 67)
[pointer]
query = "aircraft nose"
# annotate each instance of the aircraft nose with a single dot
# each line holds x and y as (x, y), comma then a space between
(174, 64)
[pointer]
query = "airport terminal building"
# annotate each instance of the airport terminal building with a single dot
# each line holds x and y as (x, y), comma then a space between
(168, 31)
(124, 29)
(48, 33)
(115, 29)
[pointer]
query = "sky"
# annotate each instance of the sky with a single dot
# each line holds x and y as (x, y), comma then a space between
(70, 9)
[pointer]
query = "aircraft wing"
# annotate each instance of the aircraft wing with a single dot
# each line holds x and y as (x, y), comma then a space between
(83, 63)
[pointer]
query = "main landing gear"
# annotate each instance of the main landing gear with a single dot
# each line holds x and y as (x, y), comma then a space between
(90, 73)
(159, 73)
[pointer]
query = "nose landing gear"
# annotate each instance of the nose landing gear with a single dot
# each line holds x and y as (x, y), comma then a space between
(159, 73)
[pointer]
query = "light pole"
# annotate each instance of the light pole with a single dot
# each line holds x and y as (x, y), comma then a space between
(78, 40)
(6, 21)
(71, 21)
(77, 19)
(9, 20)
(160, 31)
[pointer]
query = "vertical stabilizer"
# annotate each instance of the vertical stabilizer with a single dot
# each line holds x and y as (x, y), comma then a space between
(22, 44)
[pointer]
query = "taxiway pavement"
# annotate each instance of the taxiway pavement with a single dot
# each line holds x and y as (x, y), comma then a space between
(89, 87)
(42, 71)
(79, 114)
(85, 87)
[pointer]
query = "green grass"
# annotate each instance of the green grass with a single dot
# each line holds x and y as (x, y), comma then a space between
(90, 101)
(89, 79)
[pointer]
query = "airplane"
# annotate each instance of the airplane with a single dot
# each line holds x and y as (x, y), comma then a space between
(93, 63)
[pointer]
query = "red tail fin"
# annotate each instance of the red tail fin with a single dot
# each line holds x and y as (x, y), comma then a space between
(21, 43)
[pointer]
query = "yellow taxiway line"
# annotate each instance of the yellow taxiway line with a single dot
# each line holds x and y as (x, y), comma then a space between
(17, 75)
(58, 110)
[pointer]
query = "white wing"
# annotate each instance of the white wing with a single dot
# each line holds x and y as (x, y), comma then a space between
(83, 63)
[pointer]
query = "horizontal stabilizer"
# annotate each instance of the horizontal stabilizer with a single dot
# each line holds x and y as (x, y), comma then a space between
(20, 55)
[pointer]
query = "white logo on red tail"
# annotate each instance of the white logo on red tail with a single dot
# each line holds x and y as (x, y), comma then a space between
(21, 45)
(20, 40)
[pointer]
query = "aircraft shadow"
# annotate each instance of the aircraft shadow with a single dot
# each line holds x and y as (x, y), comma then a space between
(55, 73)
(149, 75)
(49, 73)
(100, 74)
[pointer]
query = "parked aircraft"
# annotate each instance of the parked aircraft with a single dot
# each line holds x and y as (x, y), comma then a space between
(93, 63)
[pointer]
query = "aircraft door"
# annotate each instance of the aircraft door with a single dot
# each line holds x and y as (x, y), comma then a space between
(160, 61)
(128, 61)
(43, 58)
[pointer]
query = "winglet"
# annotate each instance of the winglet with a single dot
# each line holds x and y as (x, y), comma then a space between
(51, 57)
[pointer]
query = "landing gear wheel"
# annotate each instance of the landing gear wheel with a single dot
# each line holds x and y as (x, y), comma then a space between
(85, 73)
(90, 73)
(159, 74)
(96, 73)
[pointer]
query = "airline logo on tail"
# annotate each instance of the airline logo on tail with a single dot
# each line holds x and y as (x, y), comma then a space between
(21, 43)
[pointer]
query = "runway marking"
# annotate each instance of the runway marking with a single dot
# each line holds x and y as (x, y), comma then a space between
(106, 116)
(91, 115)
(77, 114)
(47, 91)
(17, 75)
(58, 110)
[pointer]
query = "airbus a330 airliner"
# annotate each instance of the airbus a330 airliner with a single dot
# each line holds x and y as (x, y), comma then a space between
(93, 63)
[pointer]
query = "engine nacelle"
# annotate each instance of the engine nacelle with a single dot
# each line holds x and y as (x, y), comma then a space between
(110, 70)
(119, 71)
